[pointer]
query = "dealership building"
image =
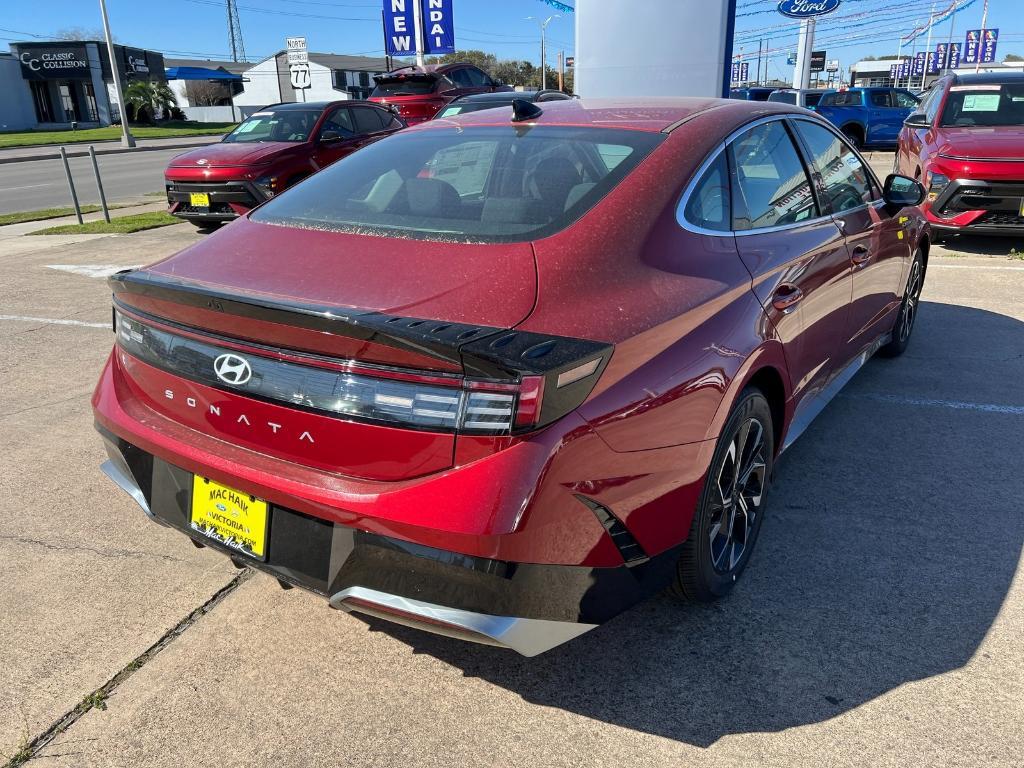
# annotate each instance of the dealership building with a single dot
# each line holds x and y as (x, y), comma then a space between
(59, 84)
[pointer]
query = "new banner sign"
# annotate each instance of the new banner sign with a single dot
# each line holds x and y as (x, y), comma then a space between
(740, 72)
(972, 46)
(805, 9)
(918, 69)
(400, 27)
(399, 32)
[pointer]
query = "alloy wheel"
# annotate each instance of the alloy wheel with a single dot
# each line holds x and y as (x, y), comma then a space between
(737, 495)
(914, 285)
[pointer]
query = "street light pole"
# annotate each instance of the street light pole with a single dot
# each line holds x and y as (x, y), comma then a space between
(543, 47)
(127, 140)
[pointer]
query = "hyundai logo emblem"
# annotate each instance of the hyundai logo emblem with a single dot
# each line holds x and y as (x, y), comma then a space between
(232, 369)
(202, 161)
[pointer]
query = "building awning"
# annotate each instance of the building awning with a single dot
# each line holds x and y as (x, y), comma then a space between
(199, 73)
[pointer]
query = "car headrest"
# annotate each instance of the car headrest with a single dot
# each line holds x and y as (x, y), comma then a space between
(576, 193)
(431, 197)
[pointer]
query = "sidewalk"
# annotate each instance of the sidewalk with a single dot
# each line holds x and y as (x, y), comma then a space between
(27, 154)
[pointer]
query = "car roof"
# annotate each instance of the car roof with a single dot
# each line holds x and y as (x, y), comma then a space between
(655, 115)
(288, 106)
(429, 68)
(987, 78)
(502, 96)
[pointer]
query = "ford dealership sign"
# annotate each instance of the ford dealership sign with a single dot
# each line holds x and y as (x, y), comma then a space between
(804, 9)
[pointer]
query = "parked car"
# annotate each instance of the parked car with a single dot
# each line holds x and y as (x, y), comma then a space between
(807, 98)
(751, 94)
(501, 384)
(419, 92)
(868, 117)
(267, 153)
(476, 102)
(966, 143)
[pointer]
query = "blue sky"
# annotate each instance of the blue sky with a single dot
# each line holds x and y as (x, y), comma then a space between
(198, 28)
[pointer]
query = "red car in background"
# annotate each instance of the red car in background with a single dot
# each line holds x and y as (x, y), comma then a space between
(268, 152)
(501, 376)
(966, 144)
(419, 92)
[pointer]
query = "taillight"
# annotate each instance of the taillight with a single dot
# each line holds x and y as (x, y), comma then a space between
(376, 394)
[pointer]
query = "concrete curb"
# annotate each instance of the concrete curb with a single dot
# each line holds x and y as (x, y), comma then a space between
(55, 154)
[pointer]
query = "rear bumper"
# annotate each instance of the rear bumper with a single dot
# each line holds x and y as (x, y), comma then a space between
(526, 607)
(978, 207)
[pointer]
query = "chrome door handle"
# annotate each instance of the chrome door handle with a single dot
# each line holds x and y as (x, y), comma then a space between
(786, 297)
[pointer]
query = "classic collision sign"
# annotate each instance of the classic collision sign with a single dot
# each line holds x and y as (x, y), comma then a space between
(53, 61)
(804, 9)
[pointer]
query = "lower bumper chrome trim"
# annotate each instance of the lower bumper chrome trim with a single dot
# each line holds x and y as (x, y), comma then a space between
(127, 483)
(528, 637)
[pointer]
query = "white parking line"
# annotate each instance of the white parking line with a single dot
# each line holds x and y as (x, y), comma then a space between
(974, 266)
(92, 270)
(54, 321)
(958, 405)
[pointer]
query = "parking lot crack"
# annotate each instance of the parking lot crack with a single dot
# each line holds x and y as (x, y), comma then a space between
(91, 550)
(97, 699)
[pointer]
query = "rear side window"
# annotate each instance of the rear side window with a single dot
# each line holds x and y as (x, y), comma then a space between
(367, 120)
(770, 187)
(477, 184)
(846, 180)
(786, 97)
(844, 99)
(708, 204)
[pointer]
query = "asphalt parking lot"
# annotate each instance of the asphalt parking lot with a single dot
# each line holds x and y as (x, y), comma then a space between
(880, 622)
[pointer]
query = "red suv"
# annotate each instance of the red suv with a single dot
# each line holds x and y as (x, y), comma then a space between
(502, 383)
(419, 93)
(269, 151)
(966, 143)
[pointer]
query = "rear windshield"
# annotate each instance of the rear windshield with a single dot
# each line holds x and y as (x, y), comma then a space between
(984, 105)
(282, 125)
(786, 97)
(459, 108)
(484, 184)
(812, 99)
(405, 86)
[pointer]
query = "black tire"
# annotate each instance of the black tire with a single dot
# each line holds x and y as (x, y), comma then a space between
(907, 315)
(854, 137)
(709, 564)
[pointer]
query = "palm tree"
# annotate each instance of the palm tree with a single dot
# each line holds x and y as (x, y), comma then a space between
(147, 98)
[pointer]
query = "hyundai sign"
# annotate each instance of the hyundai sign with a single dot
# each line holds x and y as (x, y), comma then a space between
(805, 9)
(438, 27)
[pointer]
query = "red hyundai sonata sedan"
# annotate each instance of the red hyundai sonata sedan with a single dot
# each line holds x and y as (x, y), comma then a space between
(502, 376)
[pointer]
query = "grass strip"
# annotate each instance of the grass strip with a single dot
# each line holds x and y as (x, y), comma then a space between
(121, 225)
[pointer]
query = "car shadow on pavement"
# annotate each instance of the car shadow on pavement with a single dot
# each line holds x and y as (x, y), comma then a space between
(978, 245)
(892, 537)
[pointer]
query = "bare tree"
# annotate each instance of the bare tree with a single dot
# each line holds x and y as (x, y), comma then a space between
(80, 33)
(203, 93)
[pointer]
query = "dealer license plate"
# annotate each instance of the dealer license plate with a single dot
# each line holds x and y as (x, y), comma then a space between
(199, 199)
(231, 517)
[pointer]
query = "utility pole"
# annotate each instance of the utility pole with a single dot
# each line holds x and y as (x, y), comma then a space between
(760, 43)
(928, 46)
(127, 140)
(417, 25)
(984, 25)
(543, 47)
(561, 70)
(235, 32)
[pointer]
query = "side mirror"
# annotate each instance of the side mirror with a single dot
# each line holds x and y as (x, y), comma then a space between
(902, 191)
(330, 136)
(917, 120)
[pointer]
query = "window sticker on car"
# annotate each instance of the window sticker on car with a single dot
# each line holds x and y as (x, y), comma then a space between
(957, 88)
(262, 114)
(981, 102)
(249, 126)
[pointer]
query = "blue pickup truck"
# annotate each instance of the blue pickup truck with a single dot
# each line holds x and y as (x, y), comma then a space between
(870, 117)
